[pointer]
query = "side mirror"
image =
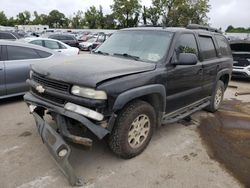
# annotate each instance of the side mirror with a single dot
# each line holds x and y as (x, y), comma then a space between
(186, 59)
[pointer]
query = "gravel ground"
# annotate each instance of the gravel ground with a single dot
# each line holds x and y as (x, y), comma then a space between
(176, 156)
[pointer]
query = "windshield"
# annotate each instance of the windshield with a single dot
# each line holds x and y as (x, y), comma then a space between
(148, 46)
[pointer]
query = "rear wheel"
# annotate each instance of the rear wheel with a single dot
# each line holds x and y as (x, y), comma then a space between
(217, 97)
(133, 129)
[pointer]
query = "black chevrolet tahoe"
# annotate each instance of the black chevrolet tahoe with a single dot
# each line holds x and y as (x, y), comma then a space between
(135, 81)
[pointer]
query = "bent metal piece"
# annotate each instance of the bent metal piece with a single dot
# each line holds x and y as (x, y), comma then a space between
(242, 93)
(58, 149)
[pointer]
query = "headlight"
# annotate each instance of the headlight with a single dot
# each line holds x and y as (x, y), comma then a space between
(88, 93)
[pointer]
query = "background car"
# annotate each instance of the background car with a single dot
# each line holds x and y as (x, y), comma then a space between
(241, 55)
(66, 38)
(9, 35)
(15, 61)
(53, 44)
(92, 43)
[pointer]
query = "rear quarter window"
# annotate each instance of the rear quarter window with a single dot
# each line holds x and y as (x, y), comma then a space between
(223, 45)
(207, 46)
(43, 54)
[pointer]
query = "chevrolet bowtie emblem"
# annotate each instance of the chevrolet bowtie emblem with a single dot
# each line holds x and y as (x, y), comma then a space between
(40, 89)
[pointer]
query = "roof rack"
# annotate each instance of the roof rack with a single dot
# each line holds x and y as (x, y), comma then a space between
(202, 27)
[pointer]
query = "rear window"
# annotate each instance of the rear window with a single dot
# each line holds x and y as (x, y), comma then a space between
(207, 46)
(20, 53)
(223, 44)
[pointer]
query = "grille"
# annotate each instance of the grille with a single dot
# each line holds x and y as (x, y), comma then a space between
(51, 83)
(49, 98)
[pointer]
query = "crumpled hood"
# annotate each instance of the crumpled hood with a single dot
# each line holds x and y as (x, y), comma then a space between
(89, 69)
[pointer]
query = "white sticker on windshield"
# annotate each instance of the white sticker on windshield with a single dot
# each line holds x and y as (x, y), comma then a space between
(153, 57)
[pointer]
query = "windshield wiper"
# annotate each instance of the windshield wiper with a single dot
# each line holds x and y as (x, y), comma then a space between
(101, 52)
(129, 56)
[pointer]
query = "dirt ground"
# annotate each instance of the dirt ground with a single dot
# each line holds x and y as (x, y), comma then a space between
(178, 155)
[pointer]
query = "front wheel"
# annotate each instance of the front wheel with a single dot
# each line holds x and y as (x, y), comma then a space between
(133, 129)
(217, 97)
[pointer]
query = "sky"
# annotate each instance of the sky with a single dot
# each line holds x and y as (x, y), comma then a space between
(222, 14)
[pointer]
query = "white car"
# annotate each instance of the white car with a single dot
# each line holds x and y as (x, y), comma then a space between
(53, 44)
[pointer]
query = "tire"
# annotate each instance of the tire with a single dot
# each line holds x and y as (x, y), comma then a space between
(217, 97)
(130, 129)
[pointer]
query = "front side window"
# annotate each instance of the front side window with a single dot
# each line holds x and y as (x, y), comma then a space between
(186, 44)
(207, 47)
(21, 53)
(148, 46)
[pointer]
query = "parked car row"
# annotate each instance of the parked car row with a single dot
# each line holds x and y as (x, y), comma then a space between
(81, 40)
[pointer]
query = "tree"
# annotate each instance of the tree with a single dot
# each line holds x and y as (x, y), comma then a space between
(91, 17)
(3, 19)
(101, 19)
(183, 12)
(77, 20)
(109, 22)
(12, 22)
(155, 11)
(57, 19)
(126, 12)
(23, 18)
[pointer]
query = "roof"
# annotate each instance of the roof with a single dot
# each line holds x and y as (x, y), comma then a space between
(168, 29)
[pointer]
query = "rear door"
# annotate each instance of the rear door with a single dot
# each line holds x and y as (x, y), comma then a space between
(17, 67)
(210, 63)
(2, 75)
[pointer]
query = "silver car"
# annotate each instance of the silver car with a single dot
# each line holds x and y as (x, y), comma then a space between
(15, 61)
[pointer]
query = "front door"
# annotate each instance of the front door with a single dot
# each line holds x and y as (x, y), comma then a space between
(2, 77)
(184, 82)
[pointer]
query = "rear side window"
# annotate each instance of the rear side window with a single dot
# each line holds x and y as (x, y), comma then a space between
(57, 37)
(207, 47)
(43, 54)
(68, 38)
(223, 44)
(6, 36)
(20, 53)
(51, 44)
(186, 44)
(37, 42)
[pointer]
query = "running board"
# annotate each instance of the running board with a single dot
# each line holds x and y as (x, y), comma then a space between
(186, 111)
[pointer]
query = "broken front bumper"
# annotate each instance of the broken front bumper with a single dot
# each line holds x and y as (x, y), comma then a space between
(58, 149)
(55, 142)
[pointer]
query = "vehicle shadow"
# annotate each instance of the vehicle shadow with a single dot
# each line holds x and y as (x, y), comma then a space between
(11, 100)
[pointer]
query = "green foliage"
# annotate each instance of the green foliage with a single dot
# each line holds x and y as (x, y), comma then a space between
(231, 29)
(57, 19)
(77, 21)
(23, 18)
(3, 19)
(126, 12)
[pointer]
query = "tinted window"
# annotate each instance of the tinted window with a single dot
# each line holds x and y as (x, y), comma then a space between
(51, 44)
(58, 37)
(43, 54)
(223, 44)
(65, 37)
(6, 36)
(19, 53)
(207, 47)
(37, 42)
(186, 44)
